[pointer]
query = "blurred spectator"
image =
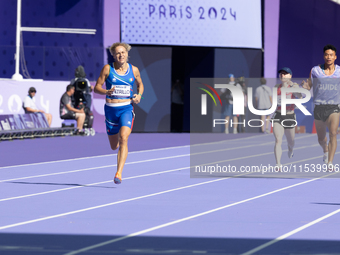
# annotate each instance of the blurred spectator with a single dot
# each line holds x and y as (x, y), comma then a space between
(241, 118)
(228, 108)
(263, 99)
(30, 106)
(177, 95)
(67, 110)
(83, 95)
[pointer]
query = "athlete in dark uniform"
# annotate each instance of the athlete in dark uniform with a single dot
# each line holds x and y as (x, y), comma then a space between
(119, 77)
(325, 80)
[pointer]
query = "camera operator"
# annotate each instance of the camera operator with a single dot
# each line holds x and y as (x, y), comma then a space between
(83, 88)
(67, 110)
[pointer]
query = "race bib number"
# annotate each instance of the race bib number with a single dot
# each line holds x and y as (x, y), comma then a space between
(121, 91)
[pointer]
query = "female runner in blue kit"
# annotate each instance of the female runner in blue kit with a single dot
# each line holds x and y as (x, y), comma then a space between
(119, 77)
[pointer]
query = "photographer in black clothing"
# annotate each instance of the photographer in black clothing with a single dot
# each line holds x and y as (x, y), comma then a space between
(82, 96)
(83, 88)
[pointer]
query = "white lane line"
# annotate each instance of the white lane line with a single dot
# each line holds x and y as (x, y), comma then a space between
(92, 184)
(92, 157)
(222, 141)
(93, 168)
(128, 163)
(133, 152)
(280, 238)
(87, 169)
(109, 155)
(257, 155)
(108, 204)
(263, 154)
(186, 218)
(134, 162)
(249, 146)
(302, 160)
(246, 138)
(128, 178)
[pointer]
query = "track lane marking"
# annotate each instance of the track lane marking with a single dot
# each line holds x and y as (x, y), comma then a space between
(186, 218)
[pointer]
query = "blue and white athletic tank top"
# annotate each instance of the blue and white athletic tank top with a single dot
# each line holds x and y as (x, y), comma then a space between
(123, 83)
(326, 88)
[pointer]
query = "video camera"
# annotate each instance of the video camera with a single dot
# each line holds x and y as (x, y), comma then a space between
(81, 88)
(81, 85)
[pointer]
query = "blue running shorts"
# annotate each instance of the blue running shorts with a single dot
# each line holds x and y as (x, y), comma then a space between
(117, 117)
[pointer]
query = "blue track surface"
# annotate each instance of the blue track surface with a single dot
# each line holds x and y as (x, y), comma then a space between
(68, 203)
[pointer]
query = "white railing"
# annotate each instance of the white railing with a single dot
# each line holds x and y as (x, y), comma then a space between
(20, 29)
(336, 1)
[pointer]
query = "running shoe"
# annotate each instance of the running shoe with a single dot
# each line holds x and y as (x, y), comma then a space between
(226, 131)
(278, 168)
(325, 158)
(117, 179)
(290, 154)
(330, 167)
